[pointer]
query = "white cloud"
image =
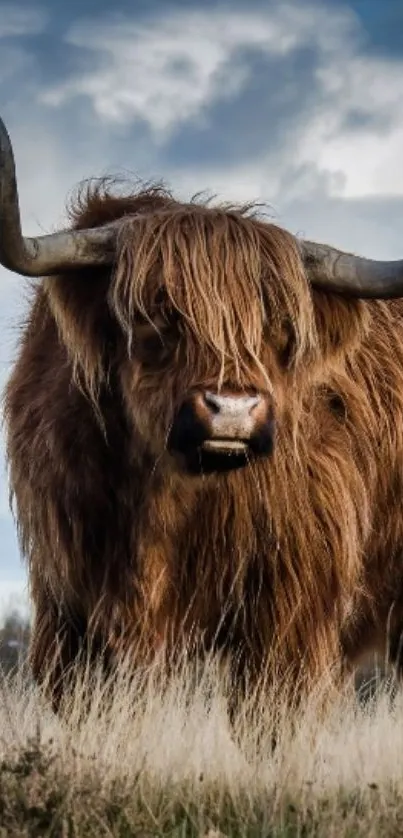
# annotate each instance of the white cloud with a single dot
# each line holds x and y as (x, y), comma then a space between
(168, 71)
(20, 20)
(368, 159)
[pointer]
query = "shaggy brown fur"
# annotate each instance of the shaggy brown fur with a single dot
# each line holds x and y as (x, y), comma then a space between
(294, 562)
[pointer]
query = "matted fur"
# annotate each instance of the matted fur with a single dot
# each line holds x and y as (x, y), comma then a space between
(293, 563)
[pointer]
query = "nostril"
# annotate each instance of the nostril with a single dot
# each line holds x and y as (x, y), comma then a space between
(212, 402)
(253, 402)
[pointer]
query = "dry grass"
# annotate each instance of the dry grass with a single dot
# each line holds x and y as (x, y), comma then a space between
(142, 760)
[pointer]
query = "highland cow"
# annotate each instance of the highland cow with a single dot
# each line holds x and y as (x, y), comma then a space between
(205, 437)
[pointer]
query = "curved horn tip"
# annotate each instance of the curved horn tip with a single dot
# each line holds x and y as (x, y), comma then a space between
(44, 255)
(354, 276)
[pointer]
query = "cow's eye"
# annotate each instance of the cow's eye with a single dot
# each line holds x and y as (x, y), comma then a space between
(154, 343)
(153, 347)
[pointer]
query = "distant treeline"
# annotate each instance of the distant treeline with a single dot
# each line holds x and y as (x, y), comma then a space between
(14, 638)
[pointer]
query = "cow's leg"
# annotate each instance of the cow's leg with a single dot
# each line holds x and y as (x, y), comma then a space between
(370, 655)
(59, 643)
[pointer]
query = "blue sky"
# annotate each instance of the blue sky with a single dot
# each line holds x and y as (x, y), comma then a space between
(299, 105)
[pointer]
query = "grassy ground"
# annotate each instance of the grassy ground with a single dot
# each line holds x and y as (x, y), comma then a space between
(144, 761)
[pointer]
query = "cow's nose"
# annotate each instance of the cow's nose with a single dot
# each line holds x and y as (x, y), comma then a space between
(231, 405)
(232, 416)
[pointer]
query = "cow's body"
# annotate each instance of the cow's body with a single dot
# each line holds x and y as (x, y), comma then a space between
(293, 561)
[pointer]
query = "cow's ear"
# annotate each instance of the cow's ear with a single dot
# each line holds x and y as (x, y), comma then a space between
(341, 323)
(79, 304)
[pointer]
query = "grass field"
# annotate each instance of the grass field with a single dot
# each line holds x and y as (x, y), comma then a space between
(145, 761)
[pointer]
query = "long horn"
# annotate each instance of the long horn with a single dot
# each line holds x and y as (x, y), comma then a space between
(352, 276)
(44, 255)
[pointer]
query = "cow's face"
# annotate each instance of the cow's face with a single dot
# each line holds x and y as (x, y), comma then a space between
(210, 307)
(185, 405)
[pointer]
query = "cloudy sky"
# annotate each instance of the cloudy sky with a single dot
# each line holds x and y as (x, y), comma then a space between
(299, 105)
